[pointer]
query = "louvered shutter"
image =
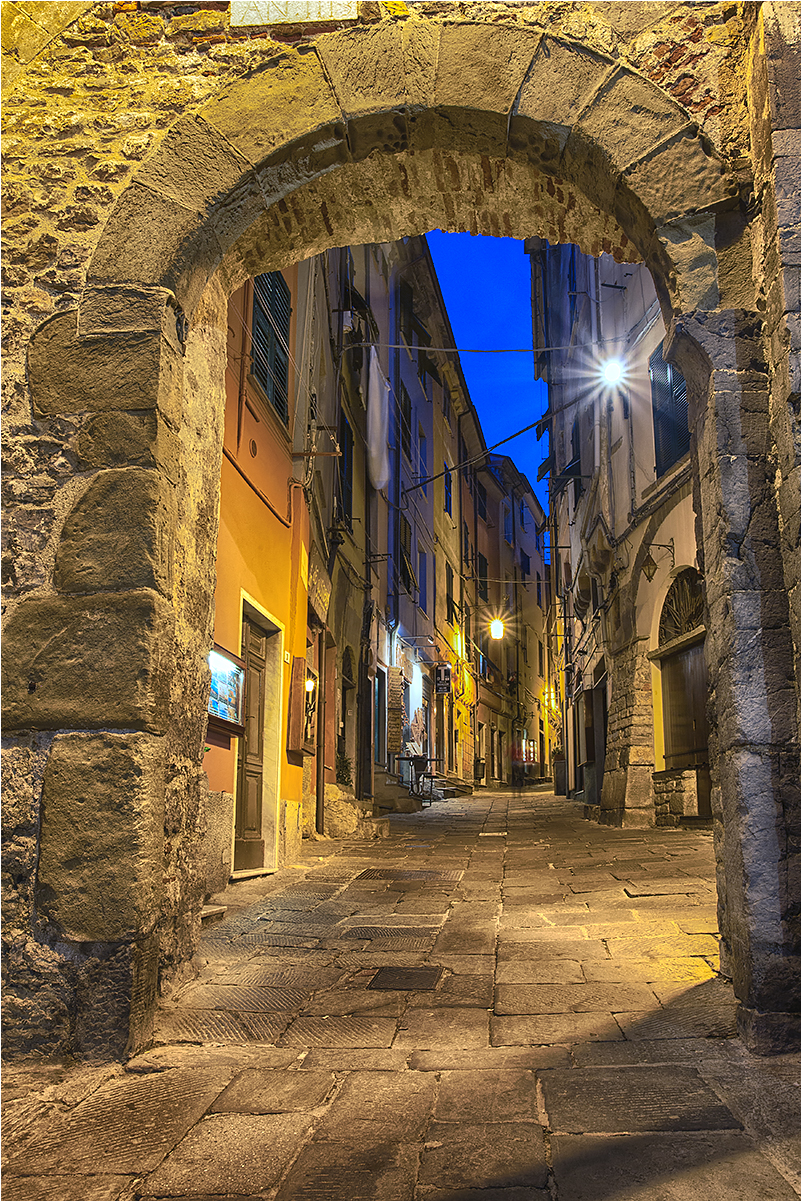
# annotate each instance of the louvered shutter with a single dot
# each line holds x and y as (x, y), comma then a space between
(670, 413)
(270, 339)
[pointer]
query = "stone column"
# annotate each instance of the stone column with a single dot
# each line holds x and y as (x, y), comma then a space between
(749, 654)
(627, 793)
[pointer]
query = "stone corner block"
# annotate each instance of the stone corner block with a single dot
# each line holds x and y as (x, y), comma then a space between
(118, 535)
(100, 855)
(69, 374)
(88, 663)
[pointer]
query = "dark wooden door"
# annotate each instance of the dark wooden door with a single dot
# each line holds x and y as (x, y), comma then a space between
(684, 685)
(249, 846)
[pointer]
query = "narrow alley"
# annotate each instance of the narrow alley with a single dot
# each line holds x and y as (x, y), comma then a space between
(499, 1001)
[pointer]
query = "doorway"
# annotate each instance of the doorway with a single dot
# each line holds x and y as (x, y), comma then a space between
(255, 817)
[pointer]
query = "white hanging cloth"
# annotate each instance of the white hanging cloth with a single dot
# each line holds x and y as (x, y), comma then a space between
(378, 404)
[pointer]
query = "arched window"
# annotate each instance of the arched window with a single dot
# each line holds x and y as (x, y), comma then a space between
(684, 682)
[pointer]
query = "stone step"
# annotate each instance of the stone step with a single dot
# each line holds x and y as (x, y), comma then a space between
(212, 913)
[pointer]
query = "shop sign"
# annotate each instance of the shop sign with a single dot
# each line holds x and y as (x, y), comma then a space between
(443, 678)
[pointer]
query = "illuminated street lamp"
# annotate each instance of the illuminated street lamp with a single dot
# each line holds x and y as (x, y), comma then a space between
(497, 628)
(612, 372)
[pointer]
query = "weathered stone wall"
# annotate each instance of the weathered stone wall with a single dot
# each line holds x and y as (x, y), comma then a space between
(627, 796)
(139, 162)
(675, 792)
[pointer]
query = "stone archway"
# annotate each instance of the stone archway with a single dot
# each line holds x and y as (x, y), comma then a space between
(374, 132)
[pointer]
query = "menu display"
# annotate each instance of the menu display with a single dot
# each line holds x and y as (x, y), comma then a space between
(227, 693)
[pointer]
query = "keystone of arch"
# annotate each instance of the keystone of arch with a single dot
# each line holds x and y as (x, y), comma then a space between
(466, 86)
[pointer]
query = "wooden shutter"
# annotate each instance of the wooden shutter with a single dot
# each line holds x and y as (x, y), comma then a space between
(270, 337)
(670, 412)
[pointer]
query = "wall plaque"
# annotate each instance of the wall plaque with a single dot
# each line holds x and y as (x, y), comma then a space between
(291, 12)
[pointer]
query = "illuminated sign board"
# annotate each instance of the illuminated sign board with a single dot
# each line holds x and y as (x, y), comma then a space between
(227, 693)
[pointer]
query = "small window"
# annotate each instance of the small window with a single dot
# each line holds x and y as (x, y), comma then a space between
(670, 413)
(522, 514)
(466, 544)
(346, 442)
(447, 489)
(507, 517)
(406, 416)
(525, 564)
(406, 572)
(422, 460)
(540, 658)
(482, 574)
(482, 502)
(270, 335)
(451, 610)
(422, 580)
(538, 594)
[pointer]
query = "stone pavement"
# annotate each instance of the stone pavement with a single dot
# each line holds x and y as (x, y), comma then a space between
(501, 1001)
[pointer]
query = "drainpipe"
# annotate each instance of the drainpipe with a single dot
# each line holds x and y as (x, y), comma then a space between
(320, 746)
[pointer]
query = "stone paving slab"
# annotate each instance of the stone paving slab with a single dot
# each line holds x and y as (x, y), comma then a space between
(486, 1096)
(679, 1023)
(271, 1091)
(205, 1026)
(689, 970)
(547, 972)
(341, 1171)
(348, 1031)
(554, 1029)
(487, 1156)
(372, 1107)
(453, 1028)
(683, 1167)
(72, 1186)
(230, 1156)
(344, 1059)
(475, 1059)
(693, 1052)
(571, 950)
(632, 1099)
(558, 999)
(125, 1127)
(388, 1004)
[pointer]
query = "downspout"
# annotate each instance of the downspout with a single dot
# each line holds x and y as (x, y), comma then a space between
(320, 744)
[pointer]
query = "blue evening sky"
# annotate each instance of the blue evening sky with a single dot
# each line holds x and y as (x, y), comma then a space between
(486, 286)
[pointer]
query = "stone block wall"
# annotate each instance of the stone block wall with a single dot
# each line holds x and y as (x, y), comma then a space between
(217, 840)
(675, 793)
(627, 796)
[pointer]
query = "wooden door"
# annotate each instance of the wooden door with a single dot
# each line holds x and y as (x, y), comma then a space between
(684, 682)
(249, 845)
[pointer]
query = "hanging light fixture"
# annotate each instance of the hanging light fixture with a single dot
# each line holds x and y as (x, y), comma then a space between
(497, 628)
(649, 566)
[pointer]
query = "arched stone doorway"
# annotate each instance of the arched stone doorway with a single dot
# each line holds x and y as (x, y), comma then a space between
(496, 124)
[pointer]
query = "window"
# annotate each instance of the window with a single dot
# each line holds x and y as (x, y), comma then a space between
(446, 404)
(573, 467)
(405, 554)
(346, 442)
(406, 312)
(380, 712)
(482, 502)
(540, 658)
(422, 580)
(466, 544)
(270, 334)
(670, 413)
(507, 520)
(422, 460)
(406, 415)
(538, 594)
(447, 490)
(482, 573)
(522, 514)
(525, 564)
(451, 613)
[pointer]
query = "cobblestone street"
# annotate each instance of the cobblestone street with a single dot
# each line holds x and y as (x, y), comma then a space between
(501, 1001)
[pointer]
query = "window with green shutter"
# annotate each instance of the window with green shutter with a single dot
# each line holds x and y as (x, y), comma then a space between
(670, 413)
(270, 339)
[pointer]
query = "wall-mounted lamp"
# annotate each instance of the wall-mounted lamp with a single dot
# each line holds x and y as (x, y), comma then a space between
(497, 628)
(649, 566)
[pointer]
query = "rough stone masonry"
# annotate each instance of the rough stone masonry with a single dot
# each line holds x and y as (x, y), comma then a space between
(155, 157)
